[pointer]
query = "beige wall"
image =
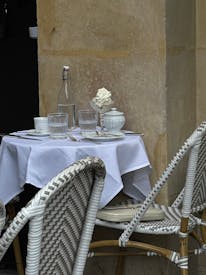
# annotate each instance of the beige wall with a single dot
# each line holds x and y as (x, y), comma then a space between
(109, 44)
(181, 78)
(201, 59)
(201, 79)
(142, 52)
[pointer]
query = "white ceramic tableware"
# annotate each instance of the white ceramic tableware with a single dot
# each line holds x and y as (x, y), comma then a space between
(33, 32)
(41, 124)
(114, 120)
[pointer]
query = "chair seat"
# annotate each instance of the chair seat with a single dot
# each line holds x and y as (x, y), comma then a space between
(125, 212)
(159, 219)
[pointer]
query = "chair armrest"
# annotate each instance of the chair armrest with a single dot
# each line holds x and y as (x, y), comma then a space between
(2, 216)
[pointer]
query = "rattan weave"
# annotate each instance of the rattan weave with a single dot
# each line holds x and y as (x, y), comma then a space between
(61, 220)
(2, 215)
(185, 217)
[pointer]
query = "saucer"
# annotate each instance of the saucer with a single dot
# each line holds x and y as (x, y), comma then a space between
(104, 136)
(33, 132)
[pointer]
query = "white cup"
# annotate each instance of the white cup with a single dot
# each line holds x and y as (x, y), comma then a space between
(33, 32)
(41, 124)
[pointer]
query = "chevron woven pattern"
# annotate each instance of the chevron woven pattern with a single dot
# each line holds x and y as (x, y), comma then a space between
(61, 220)
(199, 193)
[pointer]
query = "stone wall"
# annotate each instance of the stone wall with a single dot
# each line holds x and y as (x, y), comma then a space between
(201, 60)
(113, 44)
(180, 79)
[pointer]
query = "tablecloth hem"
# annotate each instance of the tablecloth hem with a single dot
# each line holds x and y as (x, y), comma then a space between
(131, 169)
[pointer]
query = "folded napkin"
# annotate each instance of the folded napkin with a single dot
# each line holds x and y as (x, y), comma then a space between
(26, 135)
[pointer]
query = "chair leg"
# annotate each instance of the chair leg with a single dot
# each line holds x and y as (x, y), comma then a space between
(184, 272)
(120, 264)
(203, 228)
(16, 243)
(18, 256)
(184, 245)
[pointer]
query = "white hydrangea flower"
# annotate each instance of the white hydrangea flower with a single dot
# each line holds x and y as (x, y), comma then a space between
(102, 98)
(103, 93)
(102, 103)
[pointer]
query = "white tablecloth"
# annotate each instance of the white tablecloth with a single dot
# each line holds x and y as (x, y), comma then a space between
(37, 161)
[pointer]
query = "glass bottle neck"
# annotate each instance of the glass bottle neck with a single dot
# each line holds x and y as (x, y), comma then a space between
(65, 75)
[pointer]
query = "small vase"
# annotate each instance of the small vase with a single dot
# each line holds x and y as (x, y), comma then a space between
(101, 112)
(101, 120)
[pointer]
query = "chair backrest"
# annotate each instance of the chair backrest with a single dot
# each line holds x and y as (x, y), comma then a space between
(195, 187)
(193, 196)
(61, 220)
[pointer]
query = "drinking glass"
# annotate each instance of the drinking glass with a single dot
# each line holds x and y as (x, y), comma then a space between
(58, 125)
(87, 121)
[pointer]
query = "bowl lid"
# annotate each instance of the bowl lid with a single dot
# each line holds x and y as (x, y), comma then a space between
(113, 112)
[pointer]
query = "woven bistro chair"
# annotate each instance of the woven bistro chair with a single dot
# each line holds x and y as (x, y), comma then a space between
(185, 217)
(61, 219)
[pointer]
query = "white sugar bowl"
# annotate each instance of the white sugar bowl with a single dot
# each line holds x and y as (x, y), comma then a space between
(114, 120)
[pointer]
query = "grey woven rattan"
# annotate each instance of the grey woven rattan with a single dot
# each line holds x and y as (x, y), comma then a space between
(2, 215)
(61, 220)
(185, 217)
